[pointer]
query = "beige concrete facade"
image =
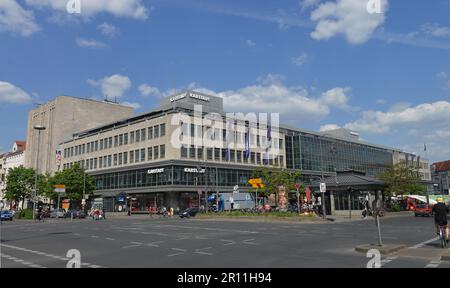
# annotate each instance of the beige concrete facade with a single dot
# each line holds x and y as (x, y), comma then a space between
(413, 160)
(62, 117)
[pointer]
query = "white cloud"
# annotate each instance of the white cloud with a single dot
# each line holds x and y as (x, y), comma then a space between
(349, 18)
(112, 86)
(16, 20)
(12, 94)
(435, 30)
(422, 116)
(329, 127)
(147, 90)
(121, 8)
(305, 4)
(132, 104)
(337, 97)
(300, 60)
(250, 43)
(442, 76)
(380, 101)
(108, 29)
(89, 43)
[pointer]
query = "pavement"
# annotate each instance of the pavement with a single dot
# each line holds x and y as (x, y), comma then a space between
(142, 241)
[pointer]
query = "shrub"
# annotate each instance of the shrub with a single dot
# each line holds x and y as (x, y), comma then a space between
(25, 214)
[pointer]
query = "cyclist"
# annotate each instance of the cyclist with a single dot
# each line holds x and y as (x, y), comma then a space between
(440, 211)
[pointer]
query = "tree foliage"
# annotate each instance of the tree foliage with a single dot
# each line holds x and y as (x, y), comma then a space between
(74, 178)
(401, 179)
(20, 184)
(273, 178)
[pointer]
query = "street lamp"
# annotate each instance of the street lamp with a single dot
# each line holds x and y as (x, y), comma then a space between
(39, 128)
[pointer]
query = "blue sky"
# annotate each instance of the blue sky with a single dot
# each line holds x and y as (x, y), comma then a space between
(319, 63)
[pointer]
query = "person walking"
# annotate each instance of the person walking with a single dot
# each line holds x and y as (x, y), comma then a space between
(231, 202)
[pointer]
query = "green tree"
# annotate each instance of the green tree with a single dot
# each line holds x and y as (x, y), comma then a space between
(272, 178)
(401, 179)
(75, 178)
(20, 184)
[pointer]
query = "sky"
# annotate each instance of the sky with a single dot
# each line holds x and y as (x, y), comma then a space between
(379, 67)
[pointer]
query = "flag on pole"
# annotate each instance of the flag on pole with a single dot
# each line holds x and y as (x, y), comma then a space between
(424, 147)
(247, 143)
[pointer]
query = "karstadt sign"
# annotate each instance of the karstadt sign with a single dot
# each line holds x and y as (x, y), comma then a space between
(190, 95)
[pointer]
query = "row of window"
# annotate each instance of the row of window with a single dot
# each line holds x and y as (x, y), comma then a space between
(118, 140)
(118, 159)
(237, 137)
(220, 154)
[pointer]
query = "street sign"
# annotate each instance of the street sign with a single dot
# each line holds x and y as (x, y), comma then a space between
(323, 187)
(255, 181)
(59, 186)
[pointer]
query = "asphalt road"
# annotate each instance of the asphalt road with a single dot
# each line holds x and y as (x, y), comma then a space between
(174, 242)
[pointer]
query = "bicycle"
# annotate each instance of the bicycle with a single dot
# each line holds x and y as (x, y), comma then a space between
(442, 236)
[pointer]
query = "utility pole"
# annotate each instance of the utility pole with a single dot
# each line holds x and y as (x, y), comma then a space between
(38, 128)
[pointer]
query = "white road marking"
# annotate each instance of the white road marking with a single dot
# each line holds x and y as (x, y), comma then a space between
(424, 243)
(110, 239)
(200, 251)
(210, 229)
(153, 244)
(388, 259)
(39, 253)
(230, 242)
(134, 244)
(94, 236)
(182, 251)
(433, 264)
(249, 242)
(32, 265)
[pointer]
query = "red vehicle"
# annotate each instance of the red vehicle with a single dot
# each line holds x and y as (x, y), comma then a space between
(423, 210)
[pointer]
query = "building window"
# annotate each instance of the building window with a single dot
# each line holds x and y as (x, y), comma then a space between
(136, 156)
(110, 142)
(192, 152)
(115, 159)
(224, 154)
(120, 139)
(155, 152)
(109, 160)
(209, 153)
(200, 153)
(150, 133)
(281, 161)
(131, 139)
(100, 162)
(252, 157)
(162, 151)
(131, 156)
(83, 149)
(88, 150)
(125, 158)
(116, 141)
(281, 144)
(183, 151)
(120, 159)
(96, 146)
(101, 144)
(156, 128)
(258, 158)
(138, 136)
(95, 163)
(232, 155)
(239, 156)
(149, 153)
(143, 136)
(125, 139)
(142, 154)
(216, 154)
(162, 130)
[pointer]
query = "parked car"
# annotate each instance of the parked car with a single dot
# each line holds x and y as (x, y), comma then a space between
(6, 215)
(423, 210)
(58, 213)
(189, 212)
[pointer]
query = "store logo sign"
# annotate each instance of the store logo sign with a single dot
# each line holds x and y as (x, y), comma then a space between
(155, 171)
(194, 170)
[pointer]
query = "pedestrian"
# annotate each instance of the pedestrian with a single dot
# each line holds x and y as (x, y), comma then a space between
(231, 202)
(104, 213)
